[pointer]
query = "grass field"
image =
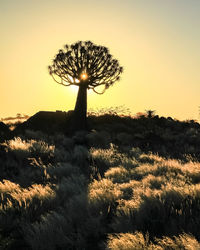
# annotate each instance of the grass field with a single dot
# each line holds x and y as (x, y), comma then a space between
(94, 190)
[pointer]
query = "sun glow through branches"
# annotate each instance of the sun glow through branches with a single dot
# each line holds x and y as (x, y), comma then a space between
(84, 76)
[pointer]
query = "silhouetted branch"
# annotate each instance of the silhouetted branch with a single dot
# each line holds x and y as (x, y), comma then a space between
(88, 58)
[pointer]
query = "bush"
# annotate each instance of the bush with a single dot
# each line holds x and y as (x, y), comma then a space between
(138, 241)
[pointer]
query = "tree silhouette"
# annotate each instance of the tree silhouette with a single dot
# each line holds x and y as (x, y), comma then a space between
(87, 66)
(150, 113)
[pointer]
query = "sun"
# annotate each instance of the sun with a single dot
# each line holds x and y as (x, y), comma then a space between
(84, 76)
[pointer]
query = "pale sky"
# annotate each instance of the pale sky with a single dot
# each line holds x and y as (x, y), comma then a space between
(156, 41)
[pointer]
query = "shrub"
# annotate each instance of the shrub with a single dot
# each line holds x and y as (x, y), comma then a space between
(103, 197)
(30, 148)
(98, 139)
(137, 241)
(118, 174)
(103, 159)
(128, 241)
(183, 241)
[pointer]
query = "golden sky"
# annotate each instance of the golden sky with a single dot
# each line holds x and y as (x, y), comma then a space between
(156, 41)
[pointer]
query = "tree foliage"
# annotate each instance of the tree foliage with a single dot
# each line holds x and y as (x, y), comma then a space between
(85, 63)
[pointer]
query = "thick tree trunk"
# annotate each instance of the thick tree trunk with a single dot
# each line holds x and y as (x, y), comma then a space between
(80, 111)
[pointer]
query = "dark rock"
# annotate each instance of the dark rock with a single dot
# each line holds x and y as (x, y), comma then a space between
(4, 132)
(47, 122)
(4, 128)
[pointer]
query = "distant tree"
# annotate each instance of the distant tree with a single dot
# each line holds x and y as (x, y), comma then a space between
(150, 113)
(87, 66)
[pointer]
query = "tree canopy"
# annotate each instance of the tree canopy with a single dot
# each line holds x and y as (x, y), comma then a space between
(85, 63)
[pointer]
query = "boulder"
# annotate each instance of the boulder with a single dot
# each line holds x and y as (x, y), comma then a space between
(4, 131)
(46, 121)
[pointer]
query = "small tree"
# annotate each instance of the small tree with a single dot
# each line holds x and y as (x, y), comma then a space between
(150, 113)
(87, 66)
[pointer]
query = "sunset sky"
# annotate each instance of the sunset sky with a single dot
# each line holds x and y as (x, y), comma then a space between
(156, 41)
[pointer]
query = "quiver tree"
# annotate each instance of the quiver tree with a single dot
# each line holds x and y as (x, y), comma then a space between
(87, 66)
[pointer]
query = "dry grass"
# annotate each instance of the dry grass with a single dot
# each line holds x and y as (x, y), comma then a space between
(136, 201)
(138, 241)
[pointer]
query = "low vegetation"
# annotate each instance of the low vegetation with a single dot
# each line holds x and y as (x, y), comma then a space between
(102, 189)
